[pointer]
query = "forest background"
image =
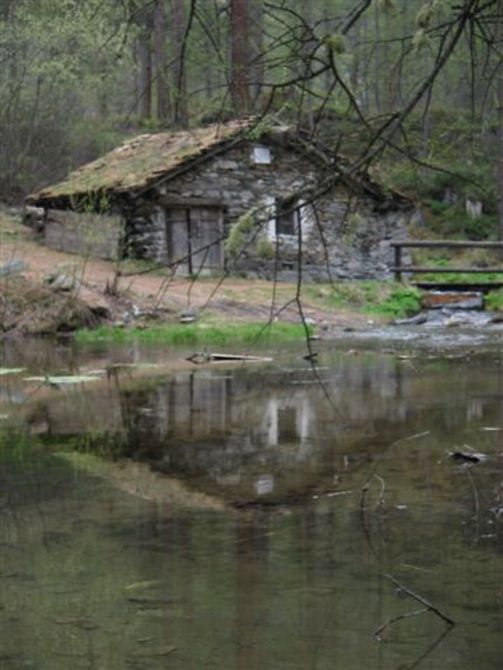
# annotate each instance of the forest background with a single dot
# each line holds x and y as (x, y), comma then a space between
(411, 90)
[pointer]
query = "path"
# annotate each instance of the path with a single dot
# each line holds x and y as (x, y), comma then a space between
(233, 299)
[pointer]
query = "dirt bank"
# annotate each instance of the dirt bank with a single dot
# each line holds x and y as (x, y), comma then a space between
(52, 291)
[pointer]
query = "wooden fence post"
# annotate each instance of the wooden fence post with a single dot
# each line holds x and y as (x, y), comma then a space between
(398, 262)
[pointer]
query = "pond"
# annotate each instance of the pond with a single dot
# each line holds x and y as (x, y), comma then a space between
(258, 516)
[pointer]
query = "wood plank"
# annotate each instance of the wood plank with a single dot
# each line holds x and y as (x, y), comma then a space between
(438, 244)
(417, 270)
(480, 287)
(171, 202)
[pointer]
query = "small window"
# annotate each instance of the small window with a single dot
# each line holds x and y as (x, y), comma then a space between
(261, 155)
(287, 217)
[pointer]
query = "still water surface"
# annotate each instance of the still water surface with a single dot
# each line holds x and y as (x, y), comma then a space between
(247, 516)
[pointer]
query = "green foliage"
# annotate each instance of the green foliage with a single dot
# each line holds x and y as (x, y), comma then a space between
(17, 446)
(447, 220)
(466, 166)
(59, 88)
(402, 301)
(460, 277)
(265, 249)
(424, 16)
(494, 301)
(239, 233)
(102, 444)
(178, 334)
(259, 129)
(387, 5)
(335, 43)
(427, 13)
(382, 298)
(419, 40)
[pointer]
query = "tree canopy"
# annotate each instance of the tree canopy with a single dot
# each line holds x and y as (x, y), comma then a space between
(379, 80)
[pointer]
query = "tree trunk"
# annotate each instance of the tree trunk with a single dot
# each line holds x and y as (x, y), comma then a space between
(499, 84)
(500, 157)
(240, 56)
(145, 68)
(179, 83)
(377, 59)
(257, 50)
(305, 104)
(160, 61)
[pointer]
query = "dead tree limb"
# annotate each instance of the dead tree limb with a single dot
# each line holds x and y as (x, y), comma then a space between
(428, 605)
(395, 619)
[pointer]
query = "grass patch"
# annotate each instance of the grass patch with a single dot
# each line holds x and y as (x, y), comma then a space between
(18, 448)
(11, 228)
(195, 334)
(494, 301)
(401, 302)
(462, 277)
(380, 298)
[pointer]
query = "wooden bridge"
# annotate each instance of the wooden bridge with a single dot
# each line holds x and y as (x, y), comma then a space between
(399, 269)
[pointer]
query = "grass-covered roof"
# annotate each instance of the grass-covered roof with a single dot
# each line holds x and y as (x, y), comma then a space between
(141, 160)
(145, 159)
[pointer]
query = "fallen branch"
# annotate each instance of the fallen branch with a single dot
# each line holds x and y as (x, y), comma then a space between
(377, 633)
(429, 606)
(200, 358)
(365, 488)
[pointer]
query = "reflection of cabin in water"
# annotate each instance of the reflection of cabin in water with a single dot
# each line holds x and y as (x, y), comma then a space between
(240, 428)
(225, 195)
(204, 407)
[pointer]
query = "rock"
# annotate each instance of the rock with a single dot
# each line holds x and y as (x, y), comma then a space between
(473, 208)
(417, 320)
(34, 217)
(189, 316)
(14, 267)
(62, 282)
(467, 456)
(227, 165)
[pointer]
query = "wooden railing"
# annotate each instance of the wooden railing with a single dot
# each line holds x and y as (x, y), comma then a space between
(398, 269)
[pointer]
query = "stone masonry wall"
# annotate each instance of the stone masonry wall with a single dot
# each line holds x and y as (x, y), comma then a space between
(356, 230)
(95, 235)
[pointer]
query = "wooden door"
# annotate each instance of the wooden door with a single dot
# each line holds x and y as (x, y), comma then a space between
(206, 227)
(177, 242)
(194, 240)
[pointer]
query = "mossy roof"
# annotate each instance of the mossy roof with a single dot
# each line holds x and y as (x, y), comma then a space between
(145, 159)
(142, 160)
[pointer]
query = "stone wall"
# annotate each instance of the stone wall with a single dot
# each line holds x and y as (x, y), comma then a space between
(348, 233)
(95, 235)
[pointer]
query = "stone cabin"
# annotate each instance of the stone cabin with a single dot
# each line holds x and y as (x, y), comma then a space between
(226, 196)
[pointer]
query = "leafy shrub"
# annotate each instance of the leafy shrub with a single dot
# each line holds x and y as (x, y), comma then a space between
(402, 301)
(265, 249)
